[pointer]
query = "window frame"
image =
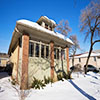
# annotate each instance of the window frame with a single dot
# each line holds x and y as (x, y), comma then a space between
(40, 49)
(31, 49)
(47, 54)
(37, 50)
(42, 55)
(63, 57)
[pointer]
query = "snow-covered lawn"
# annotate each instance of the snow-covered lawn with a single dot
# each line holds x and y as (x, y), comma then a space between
(79, 88)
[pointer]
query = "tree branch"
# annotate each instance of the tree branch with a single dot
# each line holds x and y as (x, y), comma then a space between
(97, 17)
(95, 41)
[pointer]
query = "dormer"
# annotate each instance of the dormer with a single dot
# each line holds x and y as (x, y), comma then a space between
(47, 23)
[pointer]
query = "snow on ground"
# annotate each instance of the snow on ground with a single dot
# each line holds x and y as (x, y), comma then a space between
(79, 88)
(7, 92)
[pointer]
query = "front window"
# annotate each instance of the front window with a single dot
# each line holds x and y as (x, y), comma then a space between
(42, 51)
(55, 54)
(62, 54)
(37, 50)
(31, 48)
(46, 26)
(20, 41)
(47, 51)
(50, 28)
(34, 49)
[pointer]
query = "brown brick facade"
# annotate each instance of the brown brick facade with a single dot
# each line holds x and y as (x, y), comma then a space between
(25, 53)
(67, 58)
(52, 59)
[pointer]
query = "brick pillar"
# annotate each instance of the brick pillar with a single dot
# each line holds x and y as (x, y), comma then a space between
(52, 59)
(67, 58)
(25, 54)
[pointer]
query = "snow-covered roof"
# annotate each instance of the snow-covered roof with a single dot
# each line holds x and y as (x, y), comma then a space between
(86, 55)
(38, 33)
(50, 19)
(40, 28)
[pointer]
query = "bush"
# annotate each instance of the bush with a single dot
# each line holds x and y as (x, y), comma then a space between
(68, 75)
(60, 76)
(47, 80)
(37, 84)
(76, 68)
(13, 82)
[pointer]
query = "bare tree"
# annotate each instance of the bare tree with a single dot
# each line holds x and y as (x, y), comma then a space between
(74, 47)
(90, 25)
(63, 27)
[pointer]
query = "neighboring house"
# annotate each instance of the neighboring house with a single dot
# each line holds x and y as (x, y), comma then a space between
(37, 51)
(3, 61)
(96, 51)
(81, 59)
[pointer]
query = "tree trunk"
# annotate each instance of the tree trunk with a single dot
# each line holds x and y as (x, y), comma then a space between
(73, 61)
(73, 58)
(90, 51)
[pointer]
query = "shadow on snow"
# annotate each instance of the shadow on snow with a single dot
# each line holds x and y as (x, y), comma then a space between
(92, 76)
(81, 91)
(3, 74)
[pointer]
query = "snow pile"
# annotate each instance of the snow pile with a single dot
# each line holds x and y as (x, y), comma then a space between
(79, 88)
(40, 28)
(7, 92)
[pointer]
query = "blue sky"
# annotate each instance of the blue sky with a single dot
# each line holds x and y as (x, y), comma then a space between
(13, 10)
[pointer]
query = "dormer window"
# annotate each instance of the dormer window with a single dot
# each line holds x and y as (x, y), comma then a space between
(46, 26)
(46, 23)
(50, 28)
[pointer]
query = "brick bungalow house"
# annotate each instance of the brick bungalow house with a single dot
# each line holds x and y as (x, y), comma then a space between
(36, 50)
